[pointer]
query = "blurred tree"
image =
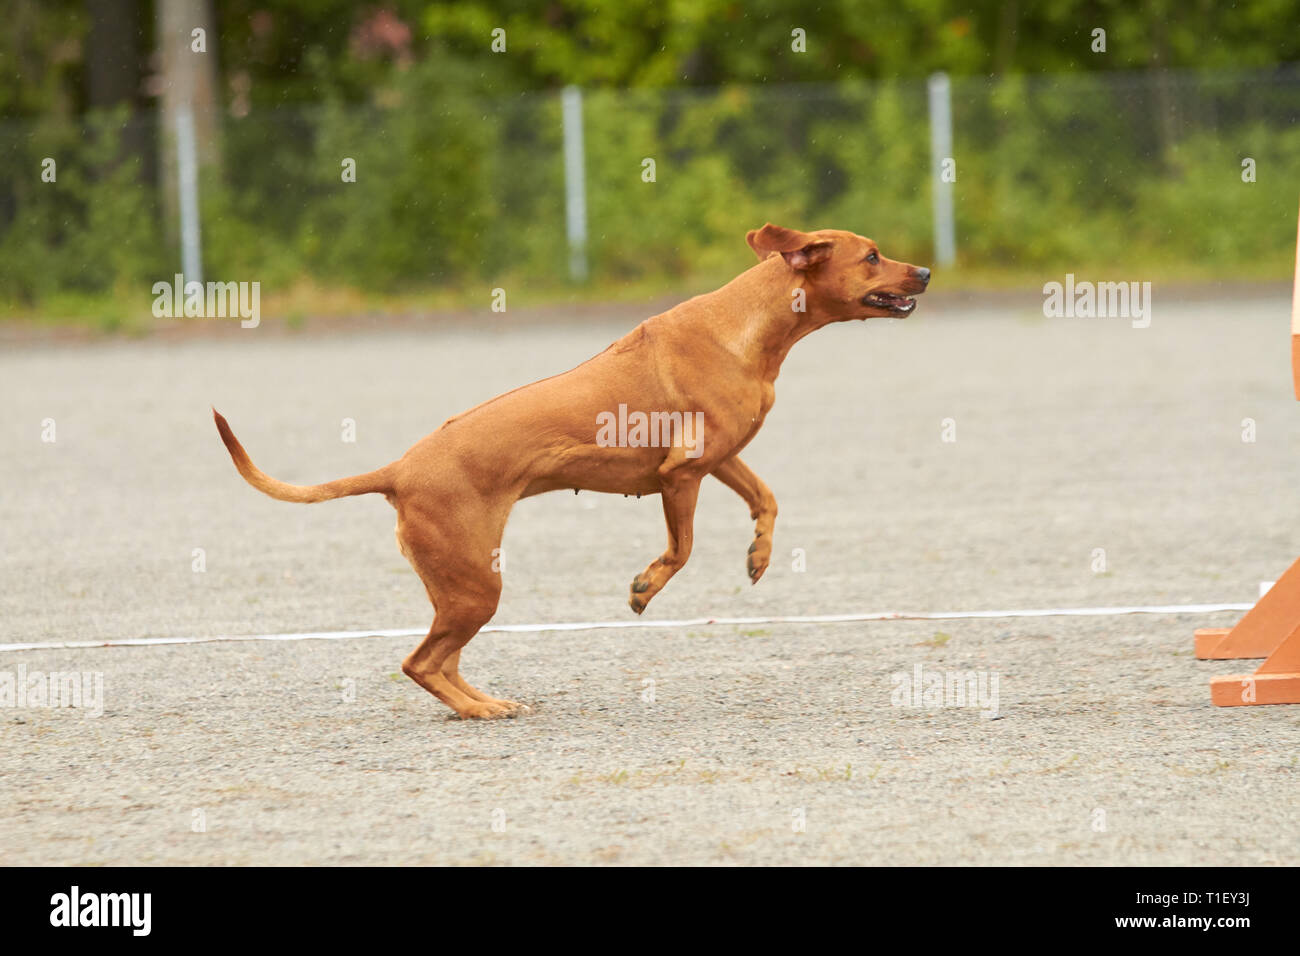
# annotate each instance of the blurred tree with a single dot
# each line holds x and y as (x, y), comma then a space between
(113, 45)
(708, 42)
(41, 50)
(294, 51)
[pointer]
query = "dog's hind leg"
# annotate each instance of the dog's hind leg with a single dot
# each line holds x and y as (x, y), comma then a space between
(457, 572)
(737, 476)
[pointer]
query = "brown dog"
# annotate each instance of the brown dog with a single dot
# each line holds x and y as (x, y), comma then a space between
(698, 381)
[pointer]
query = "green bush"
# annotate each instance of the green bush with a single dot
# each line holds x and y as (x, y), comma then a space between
(456, 189)
(92, 229)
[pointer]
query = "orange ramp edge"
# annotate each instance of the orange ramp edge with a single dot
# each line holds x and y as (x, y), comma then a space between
(1272, 626)
(1274, 617)
(1276, 682)
(1252, 690)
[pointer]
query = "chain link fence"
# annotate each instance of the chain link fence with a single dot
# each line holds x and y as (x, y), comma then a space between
(1172, 173)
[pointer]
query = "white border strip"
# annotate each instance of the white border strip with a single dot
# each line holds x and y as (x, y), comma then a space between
(688, 622)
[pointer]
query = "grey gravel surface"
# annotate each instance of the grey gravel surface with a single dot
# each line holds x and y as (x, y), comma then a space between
(1077, 441)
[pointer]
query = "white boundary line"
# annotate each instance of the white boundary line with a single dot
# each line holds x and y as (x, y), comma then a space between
(689, 622)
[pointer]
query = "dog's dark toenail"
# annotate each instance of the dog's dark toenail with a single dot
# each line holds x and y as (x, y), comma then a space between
(639, 586)
(752, 548)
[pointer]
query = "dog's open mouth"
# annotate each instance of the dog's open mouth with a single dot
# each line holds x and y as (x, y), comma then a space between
(897, 304)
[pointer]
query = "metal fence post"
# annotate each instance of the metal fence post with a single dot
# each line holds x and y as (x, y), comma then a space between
(945, 238)
(187, 164)
(575, 183)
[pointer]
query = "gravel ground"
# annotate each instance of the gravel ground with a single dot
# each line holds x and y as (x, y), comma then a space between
(1077, 441)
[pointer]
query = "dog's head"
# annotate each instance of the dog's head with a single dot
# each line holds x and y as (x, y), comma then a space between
(845, 275)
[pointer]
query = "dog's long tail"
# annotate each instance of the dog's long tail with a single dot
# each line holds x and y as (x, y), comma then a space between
(374, 481)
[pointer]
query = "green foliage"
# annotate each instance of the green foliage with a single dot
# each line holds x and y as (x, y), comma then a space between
(287, 52)
(92, 228)
(40, 56)
(1084, 171)
(1054, 174)
(1064, 161)
(441, 179)
(727, 161)
(1204, 212)
(422, 202)
(713, 42)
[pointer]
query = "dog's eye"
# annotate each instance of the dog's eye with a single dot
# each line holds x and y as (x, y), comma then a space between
(873, 259)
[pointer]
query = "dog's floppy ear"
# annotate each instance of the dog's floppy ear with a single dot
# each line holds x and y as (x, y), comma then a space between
(800, 250)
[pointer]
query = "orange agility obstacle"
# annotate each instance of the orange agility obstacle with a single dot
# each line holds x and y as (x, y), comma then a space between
(1271, 629)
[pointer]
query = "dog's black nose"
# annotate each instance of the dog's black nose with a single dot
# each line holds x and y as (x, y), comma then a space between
(924, 275)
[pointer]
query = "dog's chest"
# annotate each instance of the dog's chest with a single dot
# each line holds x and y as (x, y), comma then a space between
(758, 413)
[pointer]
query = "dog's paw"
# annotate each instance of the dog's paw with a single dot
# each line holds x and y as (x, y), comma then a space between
(514, 709)
(478, 710)
(494, 710)
(760, 555)
(640, 585)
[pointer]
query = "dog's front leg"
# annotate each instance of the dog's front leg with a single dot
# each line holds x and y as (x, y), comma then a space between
(680, 493)
(736, 475)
